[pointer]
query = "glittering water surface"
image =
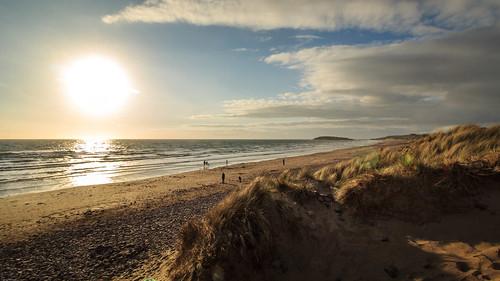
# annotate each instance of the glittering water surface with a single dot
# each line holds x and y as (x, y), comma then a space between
(39, 165)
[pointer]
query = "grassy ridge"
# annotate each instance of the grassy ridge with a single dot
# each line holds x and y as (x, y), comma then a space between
(254, 232)
(419, 180)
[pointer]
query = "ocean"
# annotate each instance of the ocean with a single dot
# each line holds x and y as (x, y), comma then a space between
(41, 165)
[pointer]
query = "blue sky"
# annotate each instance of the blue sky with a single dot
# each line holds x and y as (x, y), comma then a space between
(213, 71)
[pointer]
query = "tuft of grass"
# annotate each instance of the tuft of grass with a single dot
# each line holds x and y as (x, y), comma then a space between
(236, 229)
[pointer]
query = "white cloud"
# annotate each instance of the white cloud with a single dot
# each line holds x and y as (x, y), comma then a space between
(244, 50)
(306, 37)
(381, 15)
(448, 80)
(212, 116)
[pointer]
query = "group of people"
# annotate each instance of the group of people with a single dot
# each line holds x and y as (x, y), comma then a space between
(223, 176)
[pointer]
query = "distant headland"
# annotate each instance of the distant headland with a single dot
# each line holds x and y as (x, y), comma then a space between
(332, 138)
(402, 137)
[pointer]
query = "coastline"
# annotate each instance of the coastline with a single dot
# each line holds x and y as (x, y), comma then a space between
(43, 165)
(114, 230)
(23, 214)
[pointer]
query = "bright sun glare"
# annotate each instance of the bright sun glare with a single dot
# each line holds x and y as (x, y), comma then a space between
(97, 85)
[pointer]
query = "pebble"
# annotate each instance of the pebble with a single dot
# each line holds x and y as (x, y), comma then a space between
(392, 271)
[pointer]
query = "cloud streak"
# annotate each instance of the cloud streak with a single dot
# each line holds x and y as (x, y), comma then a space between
(244, 50)
(307, 37)
(417, 17)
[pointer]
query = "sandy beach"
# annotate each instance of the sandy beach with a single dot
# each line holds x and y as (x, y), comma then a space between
(129, 230)
(94, 229)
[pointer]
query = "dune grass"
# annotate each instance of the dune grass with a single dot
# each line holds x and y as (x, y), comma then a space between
(244, 236)
(461, 145)
(418, 180)
(245, 228)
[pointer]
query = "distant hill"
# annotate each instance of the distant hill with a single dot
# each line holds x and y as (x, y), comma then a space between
(402, 137)
(331, 138)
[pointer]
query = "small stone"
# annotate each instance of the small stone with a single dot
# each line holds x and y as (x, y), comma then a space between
(392, 271)
(218, 273)
(480, 206)
(495, 266)
(428, 266)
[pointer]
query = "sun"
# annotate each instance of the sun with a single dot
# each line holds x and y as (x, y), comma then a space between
(97, 85)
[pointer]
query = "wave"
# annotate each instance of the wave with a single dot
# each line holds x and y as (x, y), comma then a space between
(38, 165)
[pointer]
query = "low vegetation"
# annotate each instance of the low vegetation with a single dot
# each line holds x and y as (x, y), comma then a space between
(433, 174)
(256, 233)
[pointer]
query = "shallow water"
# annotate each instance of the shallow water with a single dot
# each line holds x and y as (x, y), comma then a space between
(40, 165)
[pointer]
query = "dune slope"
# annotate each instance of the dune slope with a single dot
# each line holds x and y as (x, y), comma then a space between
(424, 211)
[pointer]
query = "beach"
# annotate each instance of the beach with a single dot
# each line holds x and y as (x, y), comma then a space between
(131, 230)
(104, 231)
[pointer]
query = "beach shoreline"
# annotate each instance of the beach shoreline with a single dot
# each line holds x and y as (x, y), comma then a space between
(43, 165)
(23, 214)
(126, 223)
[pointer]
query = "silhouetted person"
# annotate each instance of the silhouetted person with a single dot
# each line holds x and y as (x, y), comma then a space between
(283, 161)
(223, 177)
(239, 178)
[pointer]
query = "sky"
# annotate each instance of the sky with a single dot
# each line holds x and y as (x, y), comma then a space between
(253, 69)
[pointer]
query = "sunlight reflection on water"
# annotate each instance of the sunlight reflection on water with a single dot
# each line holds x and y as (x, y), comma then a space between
(92, 145)
(95, 172)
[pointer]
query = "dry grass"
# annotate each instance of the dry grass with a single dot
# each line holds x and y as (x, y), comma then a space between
(419, 180)
(242, 238)
(463, 144)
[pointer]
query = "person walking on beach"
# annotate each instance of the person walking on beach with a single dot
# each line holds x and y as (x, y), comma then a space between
(239, 178)
(223, 177)
(283, 161)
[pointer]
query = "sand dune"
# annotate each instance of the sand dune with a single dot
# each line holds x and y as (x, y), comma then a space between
(423, 211)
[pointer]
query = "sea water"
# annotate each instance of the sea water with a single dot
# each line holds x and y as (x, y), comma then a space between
(40, 165)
